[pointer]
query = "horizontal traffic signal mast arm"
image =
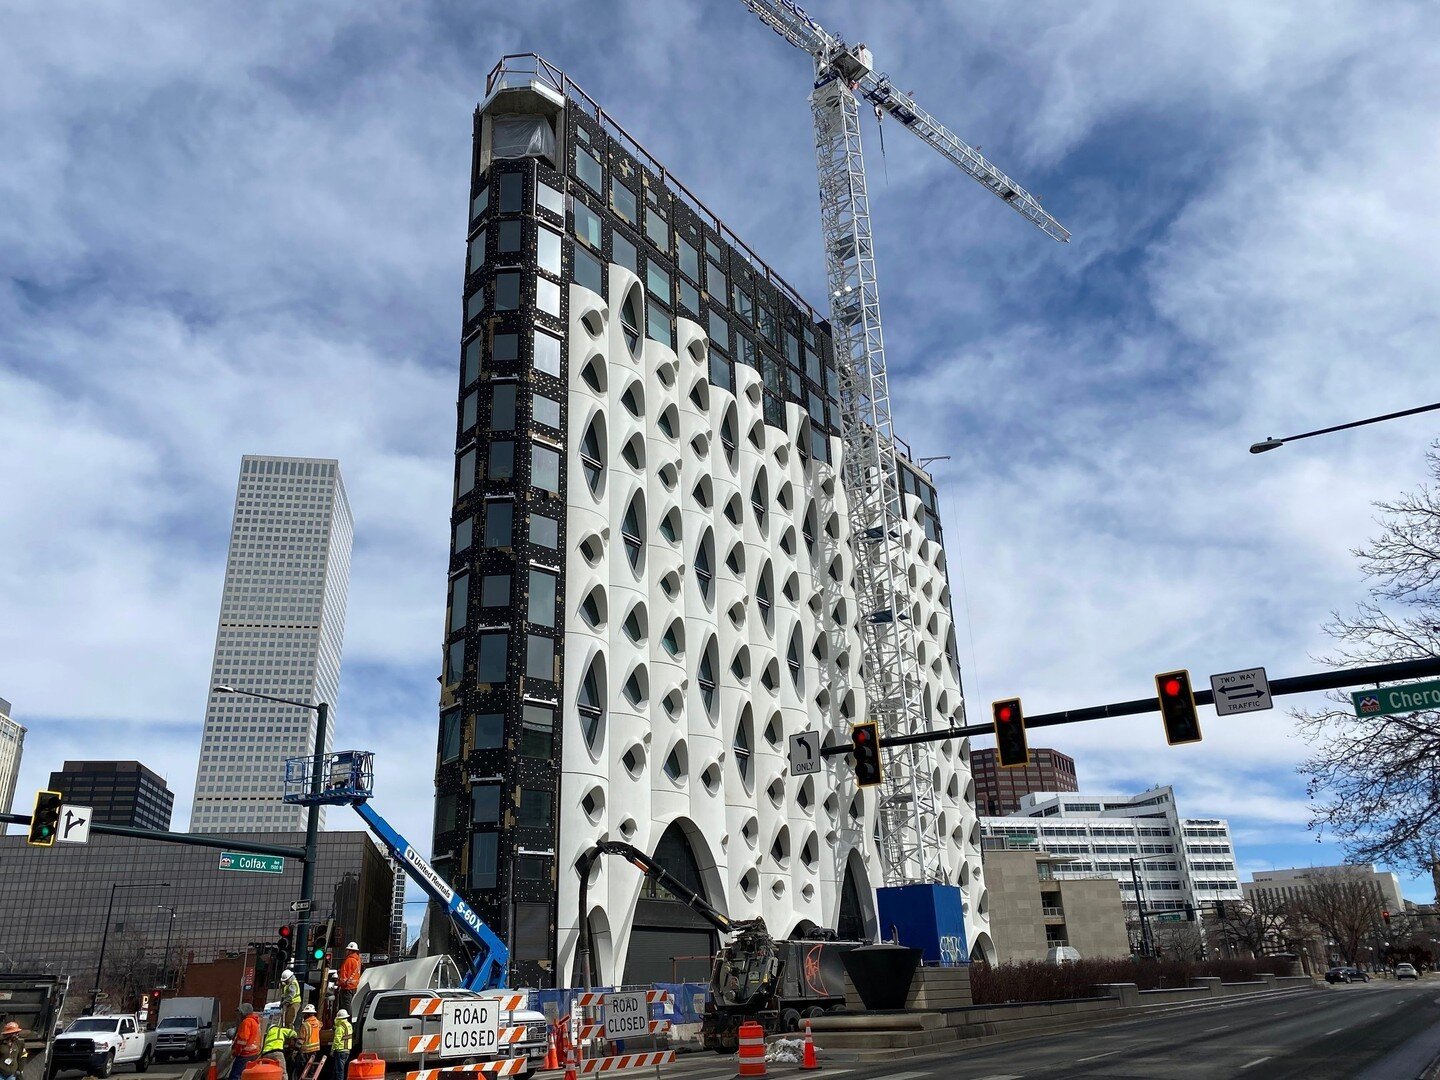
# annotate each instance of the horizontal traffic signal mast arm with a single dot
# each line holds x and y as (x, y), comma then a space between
(1296, 684)
(189, 839)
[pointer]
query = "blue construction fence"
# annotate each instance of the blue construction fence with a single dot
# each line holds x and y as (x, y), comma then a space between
(689, 998)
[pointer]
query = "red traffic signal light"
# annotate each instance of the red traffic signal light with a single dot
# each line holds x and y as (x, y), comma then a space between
(1011, 744)
(1177, 707)
(865, 751)
(285, 933)
(1386, 916)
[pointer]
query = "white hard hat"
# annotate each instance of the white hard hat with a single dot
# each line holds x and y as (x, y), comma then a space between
(309, 1010)
(343, 1014)
(287, 974)
(353, 947)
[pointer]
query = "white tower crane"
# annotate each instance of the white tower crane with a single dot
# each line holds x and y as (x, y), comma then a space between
(909, 840)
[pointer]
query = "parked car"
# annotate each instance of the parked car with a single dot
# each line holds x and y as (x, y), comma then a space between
(96, 1044)
(187, 1028)
(1406, 971)
(1346, 975)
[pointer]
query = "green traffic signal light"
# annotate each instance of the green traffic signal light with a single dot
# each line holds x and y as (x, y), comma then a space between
(45, 819)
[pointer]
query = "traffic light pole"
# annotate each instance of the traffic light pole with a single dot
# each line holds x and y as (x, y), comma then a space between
(1298, 684)
(301, 961)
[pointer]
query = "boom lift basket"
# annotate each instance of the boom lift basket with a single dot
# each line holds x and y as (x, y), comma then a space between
(345, 777)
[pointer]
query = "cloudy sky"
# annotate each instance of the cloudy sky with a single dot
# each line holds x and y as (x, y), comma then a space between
(240, 228)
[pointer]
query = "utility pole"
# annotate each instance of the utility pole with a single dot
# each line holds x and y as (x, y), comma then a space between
(312, 830)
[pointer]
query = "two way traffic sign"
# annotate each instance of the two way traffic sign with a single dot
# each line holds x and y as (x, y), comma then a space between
(1241, 691)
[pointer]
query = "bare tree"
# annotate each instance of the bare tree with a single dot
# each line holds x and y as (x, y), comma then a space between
(1261, 924)
(1344, 904)
(130, 969)
(1375, 780)
(1178, 941)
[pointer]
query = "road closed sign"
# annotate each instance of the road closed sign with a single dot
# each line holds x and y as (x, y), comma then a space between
(469, 1028)
(626, 1015)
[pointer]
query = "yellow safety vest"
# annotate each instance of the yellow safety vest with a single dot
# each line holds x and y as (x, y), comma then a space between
(343, 1034)
(275, 1037)
(291, 989)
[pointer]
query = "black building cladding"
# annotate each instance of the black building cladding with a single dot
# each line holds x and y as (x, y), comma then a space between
(120, 792)
(533, 231)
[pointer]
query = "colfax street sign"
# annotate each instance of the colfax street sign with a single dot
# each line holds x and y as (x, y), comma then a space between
(75, 824)
(804, 753)
(255, 864)
(1241, 691)
(1389, 700)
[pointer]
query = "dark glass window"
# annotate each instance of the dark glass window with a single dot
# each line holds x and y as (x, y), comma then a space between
(464, 534)
(494, 647)
(537, 732)
(623, 201)
(455, 662)
(459, 601)
(507, 291)
(657, 280)
(474, 352)
(539, 657)
(484, 848)
(450, 735)
(657, 230)
(497, 523)
(445, 812)
(512, 192)
(689, 258)
(534, 868)
(544, 410)
(588, 272)
(532, 921)
(718, 287)
(535, 808)
(465, 473)
(475, 304)
(502, 407)
(502, 460)
(481, 202)
(587, 168)
(544, 531)
(506, 348)
(507, 244)
(657, 324)
(477, 252)
(485, 804)
(468, 409)
(630, 532)
(720, 372)
(489, 731)
(547, 250)
(624, 253)
(545, 468)
(689, 296)
(495, 590)
(549, 198)
(542, 598)
(719, 331)
(587, 226)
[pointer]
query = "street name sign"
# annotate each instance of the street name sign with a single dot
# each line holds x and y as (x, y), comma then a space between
(626, 1015)
(1390, 700)
(1241, 691)
(301, 905)
(255, 864)
(804, 753)
(75, 824)
(469, 1027)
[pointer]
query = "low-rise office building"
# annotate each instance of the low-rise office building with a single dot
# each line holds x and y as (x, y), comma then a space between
(1034, 907)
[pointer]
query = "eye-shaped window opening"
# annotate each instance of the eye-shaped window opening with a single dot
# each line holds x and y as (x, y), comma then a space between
(637, 687)
(735, 561)
(727, 435)
(810, 852)
(700, 395)
(711, 779)
(775, 731)
(704, 563)
(764, 598)
(759, 501)
(792, 588)
(590, 704)
(670, 585)
(674, 640)
(740, 665)
(749, 884)
(675, 763)
(634, 760)
(733, 513)
(673, 704)
(632, 317)
(757, 434)
(636, 625)
(593, 374)
(592, 456)
(702, 494)
(770, 677)
(592, 608)
(634, 453)
(634, 400)
(670, 525)
(742, 747)
(792, 658)
(705, 676)
(668, 422)
(776, 792)
(632, 532)
(787, 541)
(807, 529)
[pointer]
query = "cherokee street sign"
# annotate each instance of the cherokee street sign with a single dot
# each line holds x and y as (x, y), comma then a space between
(1241, 691)
(255, 864)
(1389, 700)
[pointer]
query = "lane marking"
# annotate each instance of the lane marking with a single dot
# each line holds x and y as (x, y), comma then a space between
(908, 1075)
(1222, 1027)
(1332, 1031)
(1248, 1064)
(992, 1076)
(1097, 1057)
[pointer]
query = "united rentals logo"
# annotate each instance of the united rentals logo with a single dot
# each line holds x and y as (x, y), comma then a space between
(1368, 704)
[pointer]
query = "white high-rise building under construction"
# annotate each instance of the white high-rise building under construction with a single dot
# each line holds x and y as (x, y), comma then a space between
(282, 623)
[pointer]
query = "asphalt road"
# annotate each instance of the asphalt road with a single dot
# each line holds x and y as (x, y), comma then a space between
(1372, 1031)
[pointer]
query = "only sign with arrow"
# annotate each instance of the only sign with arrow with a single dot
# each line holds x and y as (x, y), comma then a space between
(1241, 691)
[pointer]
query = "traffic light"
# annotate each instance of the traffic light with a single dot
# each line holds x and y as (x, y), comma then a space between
(45, 821)
(285, 946)
(1010, 741)
(1177, 707)
(865, 749)
(1386, 916)
(319, 942)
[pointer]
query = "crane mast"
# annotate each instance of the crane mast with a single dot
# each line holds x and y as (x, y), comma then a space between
(910, 845)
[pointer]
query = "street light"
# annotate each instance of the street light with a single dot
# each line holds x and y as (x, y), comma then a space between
(169, 930)
(1147, 943)
(1270, 443)
(312, 818)
(105, 937)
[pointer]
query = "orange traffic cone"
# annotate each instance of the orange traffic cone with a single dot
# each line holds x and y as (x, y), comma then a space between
(552, 1055)
(571, 1069)
(808, 1063)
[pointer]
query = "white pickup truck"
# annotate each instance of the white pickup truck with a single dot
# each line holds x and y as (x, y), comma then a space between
(96, 1044)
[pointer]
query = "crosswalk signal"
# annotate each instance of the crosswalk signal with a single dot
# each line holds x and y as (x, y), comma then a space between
(45, 821)
(1177, 707)
(1010, 741)
(865, 749)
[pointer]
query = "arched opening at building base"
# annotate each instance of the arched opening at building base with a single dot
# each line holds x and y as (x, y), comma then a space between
(670, 941)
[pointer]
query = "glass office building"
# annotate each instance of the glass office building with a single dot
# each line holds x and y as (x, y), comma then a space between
(119, 792)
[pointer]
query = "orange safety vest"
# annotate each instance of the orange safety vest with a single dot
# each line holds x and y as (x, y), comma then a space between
(247, 1037)
(312, 1034)
(350, 972)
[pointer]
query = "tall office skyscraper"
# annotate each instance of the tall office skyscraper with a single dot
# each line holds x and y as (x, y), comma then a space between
(12, 743)
(282, 623)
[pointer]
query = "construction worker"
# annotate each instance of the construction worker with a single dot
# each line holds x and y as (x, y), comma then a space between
(289, 997)
(340, 1042)
(13, 1053)
(349, 975)
(310, 1034)
(245, 1047)
(279, 1041)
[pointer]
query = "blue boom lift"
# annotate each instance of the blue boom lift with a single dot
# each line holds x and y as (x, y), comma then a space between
(347, 778)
